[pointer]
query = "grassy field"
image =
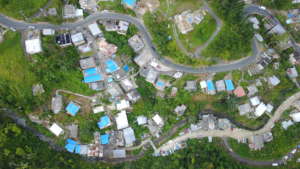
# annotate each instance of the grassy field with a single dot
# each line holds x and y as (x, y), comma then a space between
(173, 7)
(58, 5)
(21, 8)
(283, 142)
(200, 34)
(116, 6)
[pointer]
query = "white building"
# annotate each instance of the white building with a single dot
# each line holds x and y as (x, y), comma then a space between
(77, 39)
(48, 32)
(255, 101)
(56, 129)
(158, 120)
(123, 27)
(295, 117)
(98, 109)
(94, 29)
(129, 136)
(260, 110)
(141, 120)
(123, 104)
(121, 120)
(33, 46)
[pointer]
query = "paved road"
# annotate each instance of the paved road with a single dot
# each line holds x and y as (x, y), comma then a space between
(20, 26)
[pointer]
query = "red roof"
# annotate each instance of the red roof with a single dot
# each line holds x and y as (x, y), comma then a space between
(239, 92)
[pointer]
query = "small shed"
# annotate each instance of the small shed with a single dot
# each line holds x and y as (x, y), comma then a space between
(56, 129)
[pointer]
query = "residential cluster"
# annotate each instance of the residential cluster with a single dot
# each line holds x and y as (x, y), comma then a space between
(186, 20)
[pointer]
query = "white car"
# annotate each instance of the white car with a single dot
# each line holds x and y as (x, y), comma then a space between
(263, 7)
(294, 151)
(274, 164)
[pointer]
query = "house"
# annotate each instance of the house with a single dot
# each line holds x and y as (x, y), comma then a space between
(270, 108)
(89, 4)
(210, 87)
(116, 138)
(104, 139)
(143, 58)
(273, 81)
(129, 3)
(295, 117)
(186, 19)
(160, 84)
(158, 120)
(292, 73)
(268, 137)
(111, 66)
(92, 75)
(245, 109)
(220, 85)
(77, 39)
(72, 108)
(119, 153)
(255, 101)
(147, 5)
(259, 37)
(278, 29)
(73, 130)
(208, 122)
(224, 124)
(129, 136)
(229, 85)
(86, 48)
(64, 40)
(95, 30)
(191, 86)
(152, 75)
(56, 104)
(52, 11)
(33, 45)
(37, 89)
(141, 120)
(128, 84)
(121, 120)
(252, 90)
(71, 145)
(260, 110)
(70, 11)
(111, 25)
(179, 110)
(98, 109)
(56, 129)
(87, 63)
(114, 90)
(104, 122)
(256, 142)
(239, 92)
(48, 32)
(133, 96)
(286, 124)
(123, 27)
(106, 48)
(203, 85)
(177, 75)
(294, 58)
(174, 91)
(123, 104)
(136, 43)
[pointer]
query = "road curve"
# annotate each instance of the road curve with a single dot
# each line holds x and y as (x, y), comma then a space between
(20, 26)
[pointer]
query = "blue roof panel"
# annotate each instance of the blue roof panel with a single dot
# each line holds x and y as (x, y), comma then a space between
(90, 71)
(129, 2)
(210, 85)
(126, 68)
(160, 83)
(72, 108)
(104, 121)
(104, 139)
(229, 85)
(111, 66)
(77, 149)
(93, 78)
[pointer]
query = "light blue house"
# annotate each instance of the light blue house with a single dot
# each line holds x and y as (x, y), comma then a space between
(229, 85)
(129, 3)
(72, 108)
(104, 122)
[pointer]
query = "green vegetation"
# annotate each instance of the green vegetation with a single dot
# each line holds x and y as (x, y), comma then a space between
(116, 6)
(173, 7)
(233, 41)
(58, 5)
(283, 142)
(201, 33)
(21, 9)
(278, 4)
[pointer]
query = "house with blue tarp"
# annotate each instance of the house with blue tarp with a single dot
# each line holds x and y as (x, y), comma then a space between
(77, 149)
(129, 3)
(104, 122)
(104, 139)
(111, 66)
(92, 75)
(71, 145)
(126, 68)
(211, 89)
(72, 108)
(229, 85)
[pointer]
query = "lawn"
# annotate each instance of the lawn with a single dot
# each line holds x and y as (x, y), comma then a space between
(173, 7)
(58, 5)
(21, 9)
(283, 142)
(201, 33)
(116, 6)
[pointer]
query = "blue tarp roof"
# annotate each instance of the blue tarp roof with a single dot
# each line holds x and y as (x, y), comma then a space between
(104, 121)
(111, 66)
(72, 108)
(110, 79)
(126, 68)
(160, 83)
(129, 2)
(104, 139)
(229, 85)
(93, 78)
(71, 144)
(90, 71)
(77, 149)
(210, 85)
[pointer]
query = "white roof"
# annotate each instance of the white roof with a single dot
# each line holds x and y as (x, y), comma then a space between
(98, 109)
(178, 75)
(295, 117)
(158, 120)
(123, 26)
(121, 120)
(254, 101)
(270, 108)
(94, 28)
(48, 32)
(254, 20)
(141, 120)
(123, 104)
(78, 37)
(203, 84)
(79, 12)
(33, 46)
(55, 129)
(273, 80)
(129, 136)
(260, 110)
